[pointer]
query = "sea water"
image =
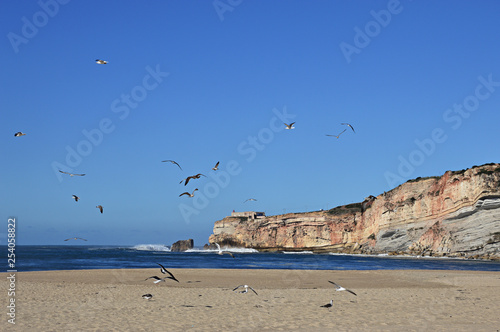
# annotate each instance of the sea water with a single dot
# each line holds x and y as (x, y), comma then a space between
(76, 257)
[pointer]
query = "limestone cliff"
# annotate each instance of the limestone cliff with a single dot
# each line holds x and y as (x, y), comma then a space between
(456, 214)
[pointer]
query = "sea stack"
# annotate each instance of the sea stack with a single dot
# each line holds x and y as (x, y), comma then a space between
(182, 245)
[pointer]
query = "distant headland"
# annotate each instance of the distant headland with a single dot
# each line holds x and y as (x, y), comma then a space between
(453, 215)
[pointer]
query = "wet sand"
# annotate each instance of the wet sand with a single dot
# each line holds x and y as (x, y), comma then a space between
(287, 300)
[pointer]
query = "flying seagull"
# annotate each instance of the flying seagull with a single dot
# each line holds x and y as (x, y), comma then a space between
(76, 198)
(71, 174)
(290, 126)
(101, 62)
(186, 193)
(173, 162)
(328, 305)
(19, 134)
(340, 288)
(100, 208)
(147, 296)
(346, 124)
(75, 238)
(251, 200)
(223, 252)
(158, 279)
(216, 167)
(337, 136)
(197, 176)
(246, 289)
(165, 271)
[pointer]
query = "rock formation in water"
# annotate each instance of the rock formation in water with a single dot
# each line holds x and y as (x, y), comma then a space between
(455, 215)
(182, 245)
(210, 246)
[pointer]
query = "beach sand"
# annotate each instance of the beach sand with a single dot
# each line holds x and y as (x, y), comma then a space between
(287, 300)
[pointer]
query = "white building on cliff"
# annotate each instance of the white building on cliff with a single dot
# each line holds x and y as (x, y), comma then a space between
(249, 214)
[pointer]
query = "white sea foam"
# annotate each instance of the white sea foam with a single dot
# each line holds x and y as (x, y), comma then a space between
(395, 256)
(237, 250)
(345, 254)
(151, 247)
(297, 252)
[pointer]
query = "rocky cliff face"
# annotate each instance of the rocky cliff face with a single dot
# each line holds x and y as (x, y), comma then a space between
(456, 215)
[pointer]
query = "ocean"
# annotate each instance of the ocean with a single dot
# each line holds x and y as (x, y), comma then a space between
(77, 257)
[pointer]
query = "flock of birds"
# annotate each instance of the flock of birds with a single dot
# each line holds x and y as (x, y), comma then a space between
(244, 290)
(189, 178)
(163, 270)
(216, 167)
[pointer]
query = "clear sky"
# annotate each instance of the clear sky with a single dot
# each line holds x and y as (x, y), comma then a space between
(205, 81)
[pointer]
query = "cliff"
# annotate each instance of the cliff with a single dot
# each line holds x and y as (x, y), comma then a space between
(455, 215)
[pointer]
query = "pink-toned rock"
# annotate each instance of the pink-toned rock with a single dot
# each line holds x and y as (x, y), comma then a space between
(457, 214)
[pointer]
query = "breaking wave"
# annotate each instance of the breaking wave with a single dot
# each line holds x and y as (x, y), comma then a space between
(151, 247)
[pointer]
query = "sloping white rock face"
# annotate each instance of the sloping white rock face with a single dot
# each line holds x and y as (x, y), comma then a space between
(476, 230)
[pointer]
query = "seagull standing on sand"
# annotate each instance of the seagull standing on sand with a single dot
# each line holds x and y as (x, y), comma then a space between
(76, 198)
(75, 238)
(197, 176)
(346, 124)
(165, 271)
(100, 208)
(71, 174)
(328, 305)
(101, 62)
(223, 252)
(216, 167)
(19, 134)
(290, 126)
(173, 162)
(340, 288)
(186, 193)
(246, 289)
(337, 136)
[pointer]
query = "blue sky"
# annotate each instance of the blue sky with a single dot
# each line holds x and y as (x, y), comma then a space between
(206, 81)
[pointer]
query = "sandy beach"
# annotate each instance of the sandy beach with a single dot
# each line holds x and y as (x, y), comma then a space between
(287, 300)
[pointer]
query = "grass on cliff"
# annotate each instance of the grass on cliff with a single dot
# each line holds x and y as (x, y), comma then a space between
(423, 178)
(344, 209)
(488, 164)
(462, 171)
(488, 172)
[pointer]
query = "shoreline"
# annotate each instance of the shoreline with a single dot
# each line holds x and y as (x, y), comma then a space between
(287, 300)
(304, 251)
